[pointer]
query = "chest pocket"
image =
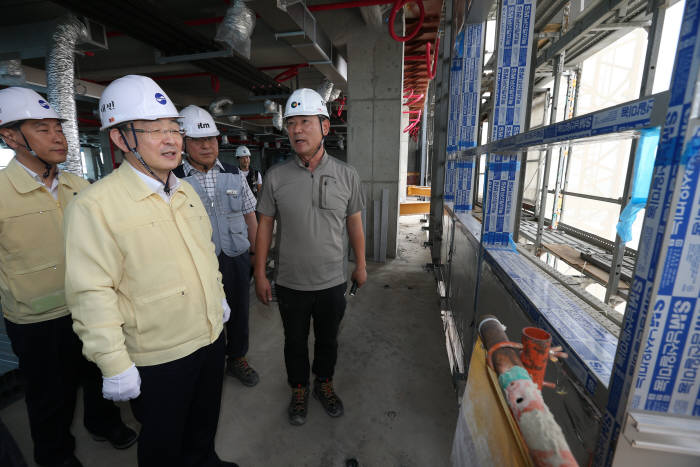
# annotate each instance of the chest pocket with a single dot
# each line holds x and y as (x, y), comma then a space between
(235, 199)
(332, 194)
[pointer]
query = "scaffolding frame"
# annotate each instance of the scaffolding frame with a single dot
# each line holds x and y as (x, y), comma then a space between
(645, 112)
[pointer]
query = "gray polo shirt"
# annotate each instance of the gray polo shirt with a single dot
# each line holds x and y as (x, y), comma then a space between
(311, 210)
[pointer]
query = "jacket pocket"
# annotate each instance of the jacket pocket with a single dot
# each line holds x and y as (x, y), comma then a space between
(331, 194)
(239, 233)
(163, 319)
(40, 287)
(235, 199)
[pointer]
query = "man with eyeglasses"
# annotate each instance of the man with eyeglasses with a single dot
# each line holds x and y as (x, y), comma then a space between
(143, 283)
(231, 208)
(317, 203)
(33, 196)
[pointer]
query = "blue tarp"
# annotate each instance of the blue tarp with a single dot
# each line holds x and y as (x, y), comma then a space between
(641, 181)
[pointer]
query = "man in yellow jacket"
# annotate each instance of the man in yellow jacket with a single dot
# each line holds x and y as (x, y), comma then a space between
(143, 282)
(33, 195)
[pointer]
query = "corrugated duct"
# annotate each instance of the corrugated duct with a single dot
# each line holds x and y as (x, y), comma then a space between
(236, 28)
(60, 76)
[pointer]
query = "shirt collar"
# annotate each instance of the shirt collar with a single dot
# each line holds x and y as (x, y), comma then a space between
(25, 180)
(151, 184)
(190, 169)
(322, 162)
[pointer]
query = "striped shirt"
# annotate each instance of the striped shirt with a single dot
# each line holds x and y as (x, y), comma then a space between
(208, 182)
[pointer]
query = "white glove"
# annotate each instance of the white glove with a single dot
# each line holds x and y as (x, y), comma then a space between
(122, 387)
(227, 309)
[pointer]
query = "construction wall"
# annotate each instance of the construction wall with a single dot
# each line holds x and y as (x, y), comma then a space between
(574, 411)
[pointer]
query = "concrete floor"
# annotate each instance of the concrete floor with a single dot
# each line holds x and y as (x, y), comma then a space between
(392, 374)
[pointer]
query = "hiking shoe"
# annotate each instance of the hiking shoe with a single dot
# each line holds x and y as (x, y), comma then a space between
(120, 437)
(323, 391)
(239, 368)
(299, 405)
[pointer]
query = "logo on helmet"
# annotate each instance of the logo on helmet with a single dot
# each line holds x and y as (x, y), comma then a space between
(107, 106)
(295, 104)
(160, 98)
(202, 125)
(43, 103)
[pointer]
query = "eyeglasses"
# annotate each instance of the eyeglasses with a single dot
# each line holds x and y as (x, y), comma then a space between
(159, 134)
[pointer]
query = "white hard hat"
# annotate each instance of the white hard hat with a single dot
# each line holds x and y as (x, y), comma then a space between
(134, 97)
(17, 104)
(305, 101)
(242, 151)
(197, 122)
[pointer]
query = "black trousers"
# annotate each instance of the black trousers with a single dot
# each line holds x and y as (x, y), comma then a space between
(179, 409)
(52, 363)
(297, 307)
(235, 272)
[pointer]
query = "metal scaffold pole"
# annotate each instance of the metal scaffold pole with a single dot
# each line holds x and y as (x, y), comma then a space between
(650, 60)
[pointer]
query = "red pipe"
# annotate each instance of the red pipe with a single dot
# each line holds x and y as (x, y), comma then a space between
(89, 121)
(536, 345)
(203, 21)
(394, 11)
(343, 5)
(432, 70)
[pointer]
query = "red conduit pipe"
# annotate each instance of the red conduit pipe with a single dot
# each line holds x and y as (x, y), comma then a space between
(394, 11)
(342, 106)
(432, 70)
(89, 121)
(289, 73)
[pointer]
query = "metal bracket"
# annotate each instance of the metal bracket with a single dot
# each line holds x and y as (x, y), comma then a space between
(161, 60)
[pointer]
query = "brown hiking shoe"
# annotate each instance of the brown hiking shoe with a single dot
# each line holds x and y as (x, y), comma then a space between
(323, 391)
(239, 369)
(299, 405)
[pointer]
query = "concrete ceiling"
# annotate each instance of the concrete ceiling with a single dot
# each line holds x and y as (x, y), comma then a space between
(138, 29)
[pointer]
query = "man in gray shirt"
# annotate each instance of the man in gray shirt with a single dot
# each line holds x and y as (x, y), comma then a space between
(317, 202)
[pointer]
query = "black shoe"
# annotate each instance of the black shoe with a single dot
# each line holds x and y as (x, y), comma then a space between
(299, 405)
(239, 369)
(323, 391)
(120, 437)
(72, 461)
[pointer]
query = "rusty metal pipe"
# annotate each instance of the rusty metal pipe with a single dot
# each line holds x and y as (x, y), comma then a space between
(492, 332)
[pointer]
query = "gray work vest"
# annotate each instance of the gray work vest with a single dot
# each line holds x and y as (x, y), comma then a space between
(230, 232)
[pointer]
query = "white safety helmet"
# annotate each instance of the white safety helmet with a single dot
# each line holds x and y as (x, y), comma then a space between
(17, 104)
(305, 101)
(134, 97)
(242, 151)
(198, 123)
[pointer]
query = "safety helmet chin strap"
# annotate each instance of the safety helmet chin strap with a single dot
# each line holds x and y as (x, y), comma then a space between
(166, 187)
(47, 166)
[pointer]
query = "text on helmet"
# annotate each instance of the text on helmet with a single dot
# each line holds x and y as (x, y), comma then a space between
(107, 106)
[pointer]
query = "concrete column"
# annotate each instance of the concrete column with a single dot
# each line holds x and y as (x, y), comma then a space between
(375, 76)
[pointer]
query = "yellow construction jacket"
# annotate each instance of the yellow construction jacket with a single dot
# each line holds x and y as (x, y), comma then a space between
(32, 259)
(142, 281)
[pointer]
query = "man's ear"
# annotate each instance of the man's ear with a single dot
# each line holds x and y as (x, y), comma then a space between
(326, 126)
(116, 136)
(9, 136)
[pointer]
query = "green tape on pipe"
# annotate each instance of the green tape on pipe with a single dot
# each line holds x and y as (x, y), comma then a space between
(515, 373)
